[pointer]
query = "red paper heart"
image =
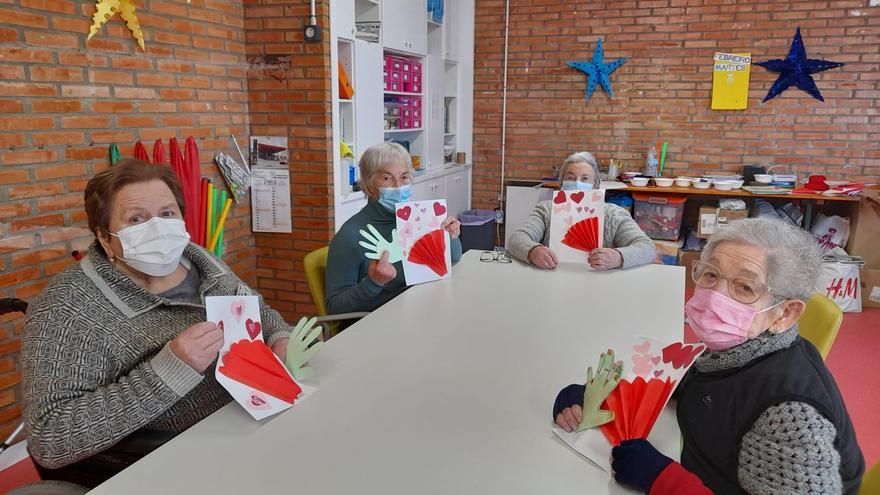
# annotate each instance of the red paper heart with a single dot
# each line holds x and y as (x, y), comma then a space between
(439, 209)
(237, 309)
(404, 212)
(560, 198)
(658, 373)
(253, 328)
(578, 196)
(221, 325)
(257, 400)
(681, 355)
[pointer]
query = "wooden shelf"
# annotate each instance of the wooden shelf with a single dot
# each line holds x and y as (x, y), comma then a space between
(735, 193)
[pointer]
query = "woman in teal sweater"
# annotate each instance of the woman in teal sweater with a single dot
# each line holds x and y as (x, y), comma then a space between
(353, 281)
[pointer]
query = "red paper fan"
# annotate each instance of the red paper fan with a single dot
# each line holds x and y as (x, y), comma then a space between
(430, 250)
(636, 407)
(583, 235)
(252, 363)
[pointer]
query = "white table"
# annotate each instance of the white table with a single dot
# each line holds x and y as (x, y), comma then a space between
(447, 389)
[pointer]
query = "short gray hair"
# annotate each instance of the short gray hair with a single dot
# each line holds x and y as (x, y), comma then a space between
(581, 157)
(794, 260)
(376, 157)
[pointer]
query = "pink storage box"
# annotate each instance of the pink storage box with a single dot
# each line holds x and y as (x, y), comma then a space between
(406, 65)
(417, 114)
(389, 62)
(406, 112)
(417, 103)
(395, 86)
(387, 85)
(416, 123)
(396, 76)
(417, 78)
(396, 63)
(417, 69)
(415, 88)
(406, 123)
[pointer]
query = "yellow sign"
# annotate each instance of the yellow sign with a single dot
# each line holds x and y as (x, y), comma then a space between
(730, 81)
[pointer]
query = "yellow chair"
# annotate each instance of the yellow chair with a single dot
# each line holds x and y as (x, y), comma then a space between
(871, 481)
(820, 322)
(315, 265)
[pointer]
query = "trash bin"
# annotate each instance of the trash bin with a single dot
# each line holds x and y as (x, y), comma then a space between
(477, 230)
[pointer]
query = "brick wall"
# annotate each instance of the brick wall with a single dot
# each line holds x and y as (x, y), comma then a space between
(663, 91)
(64, 101)
(290, 96)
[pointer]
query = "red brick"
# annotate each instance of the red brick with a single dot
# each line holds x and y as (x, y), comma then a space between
(90, 122)
(112, 136)
(37, 223)
(8, 279)
(11, 106)
(64, 234)
(86, 153)
(28, 157)
(135, 121)
(112, 107)
(109, 77)
(35, 191)
(54, 40)
(13, 176)
(56, 74)
(61, 171)
(60, 203)
(51, 138)
(11, 72)
(27, 89)
(8, 35)
(20, 18)
(56, 106)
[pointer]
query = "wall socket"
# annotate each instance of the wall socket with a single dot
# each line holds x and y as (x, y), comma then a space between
(499, 216)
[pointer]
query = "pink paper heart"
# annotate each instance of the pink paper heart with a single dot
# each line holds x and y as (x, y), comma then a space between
(418, 219)
(580, 209)
(423, 210)
(237, 310)
(655, 360)
(642, 348)
(641, 364)
(657, 373)
(568, 221)
(434, 223)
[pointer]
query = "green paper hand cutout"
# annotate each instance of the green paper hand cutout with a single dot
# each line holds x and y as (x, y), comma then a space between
(298, 351)
(377, 245)
(598, 388)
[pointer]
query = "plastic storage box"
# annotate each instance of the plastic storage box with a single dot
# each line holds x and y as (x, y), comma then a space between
(659, 216)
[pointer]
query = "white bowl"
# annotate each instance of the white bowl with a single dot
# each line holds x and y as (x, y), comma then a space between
(763, 178)
(683, 182)
(723, 185)
(698, 184)
(630, 174)
(737, 184)
(639, 181)
(663, 181)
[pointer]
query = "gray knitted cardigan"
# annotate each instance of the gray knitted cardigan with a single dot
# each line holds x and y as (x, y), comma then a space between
(96, 360)
(620, 232)
(791, 440)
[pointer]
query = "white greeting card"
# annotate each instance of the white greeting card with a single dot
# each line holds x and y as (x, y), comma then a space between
(577, 221)
(651, 372)
(425, 244)
(247, 368)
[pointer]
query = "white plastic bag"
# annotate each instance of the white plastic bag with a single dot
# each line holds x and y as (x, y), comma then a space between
(831, 232)
(840, 283)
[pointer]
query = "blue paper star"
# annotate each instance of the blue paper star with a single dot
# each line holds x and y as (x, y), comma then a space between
(796, 69)
(597, 70)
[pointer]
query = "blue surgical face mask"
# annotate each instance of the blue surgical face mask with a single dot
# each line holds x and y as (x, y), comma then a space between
(575, 185)
(389, 196)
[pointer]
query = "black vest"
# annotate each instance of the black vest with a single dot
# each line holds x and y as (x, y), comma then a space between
(716, 409)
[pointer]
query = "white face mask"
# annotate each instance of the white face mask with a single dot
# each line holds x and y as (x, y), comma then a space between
(155, 246)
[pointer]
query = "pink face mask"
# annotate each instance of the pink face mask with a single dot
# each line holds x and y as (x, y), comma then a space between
(718, 320)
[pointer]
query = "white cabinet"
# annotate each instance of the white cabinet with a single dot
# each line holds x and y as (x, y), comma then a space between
(342, 20)
(404, 25)
(368, 89)
(429, 189)
(450, 33)
(457, 193)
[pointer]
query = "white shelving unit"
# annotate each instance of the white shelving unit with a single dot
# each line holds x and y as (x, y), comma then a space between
(445, 50)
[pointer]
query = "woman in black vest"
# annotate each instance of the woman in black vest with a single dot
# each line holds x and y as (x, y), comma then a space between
(759, 411)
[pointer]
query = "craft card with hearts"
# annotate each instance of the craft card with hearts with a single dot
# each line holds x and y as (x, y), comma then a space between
(246, 367)
(425, 244)
(577, 220)
(651, 371)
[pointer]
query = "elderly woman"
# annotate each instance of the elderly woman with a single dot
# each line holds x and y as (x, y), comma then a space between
(117, 356)
(354, 282)
(759, 411)
(624, 243)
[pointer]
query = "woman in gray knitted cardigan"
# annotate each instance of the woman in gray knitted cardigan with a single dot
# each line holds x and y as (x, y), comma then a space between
(759, 412)
(624, 243)
(116, 360)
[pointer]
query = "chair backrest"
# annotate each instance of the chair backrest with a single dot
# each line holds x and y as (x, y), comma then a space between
(871, 481)
(315, 265)
(820, 322)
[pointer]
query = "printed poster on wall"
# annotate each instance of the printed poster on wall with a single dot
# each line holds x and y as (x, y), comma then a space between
(270, 184)
(730, 81)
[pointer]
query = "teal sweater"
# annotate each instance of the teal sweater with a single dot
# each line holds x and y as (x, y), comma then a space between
(348, 288)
